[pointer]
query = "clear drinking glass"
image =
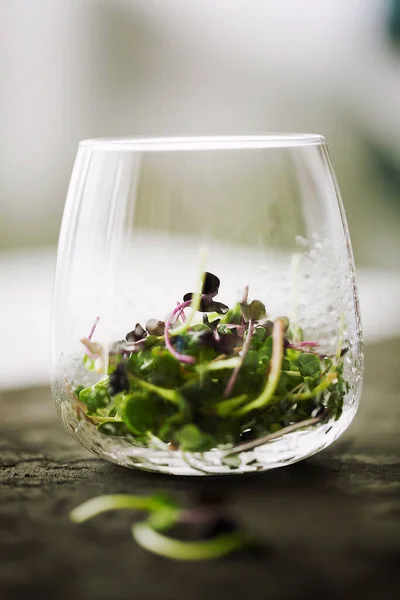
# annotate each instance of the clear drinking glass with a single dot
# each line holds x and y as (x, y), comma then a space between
(205, 316)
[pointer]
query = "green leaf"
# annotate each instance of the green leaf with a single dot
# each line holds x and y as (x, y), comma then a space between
(89, 362)
(308, 364)
(233, 316)
(251, 360)
(139, 412)
(284, 383)
(96, 396)
(192, 439)
(259, 337)
(255, 310)
(165, 370)
(335, 404)
(78, 390)
(151, 340)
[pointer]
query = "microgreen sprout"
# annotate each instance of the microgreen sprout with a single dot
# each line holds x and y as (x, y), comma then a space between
(214, 378)
(198, 533)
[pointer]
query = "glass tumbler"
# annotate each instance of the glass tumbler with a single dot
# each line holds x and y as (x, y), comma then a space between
(205, 313)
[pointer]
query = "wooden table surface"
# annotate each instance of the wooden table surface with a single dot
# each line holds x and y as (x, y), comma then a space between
(330, 525)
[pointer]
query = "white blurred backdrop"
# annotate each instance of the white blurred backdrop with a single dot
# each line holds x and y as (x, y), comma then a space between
(79, 69)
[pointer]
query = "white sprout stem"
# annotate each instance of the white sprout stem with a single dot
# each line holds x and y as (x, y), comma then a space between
(175, 549)
(101, 504)
(273, 436)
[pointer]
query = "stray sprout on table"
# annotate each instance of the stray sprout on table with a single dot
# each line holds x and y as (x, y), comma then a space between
(231, 382)
(201, 532)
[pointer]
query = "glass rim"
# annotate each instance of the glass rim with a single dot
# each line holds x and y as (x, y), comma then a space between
(231, 142)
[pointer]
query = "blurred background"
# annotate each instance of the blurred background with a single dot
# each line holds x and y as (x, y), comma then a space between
(77, 69)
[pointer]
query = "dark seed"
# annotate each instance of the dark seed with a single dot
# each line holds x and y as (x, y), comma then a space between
(118, 381)
(136, 334)
(155, 327)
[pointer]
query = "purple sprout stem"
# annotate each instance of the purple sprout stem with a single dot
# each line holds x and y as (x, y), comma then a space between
(89, 337)
(296, 345)
(245, 349)
(244, 301)
(181, 357)
(181, 313)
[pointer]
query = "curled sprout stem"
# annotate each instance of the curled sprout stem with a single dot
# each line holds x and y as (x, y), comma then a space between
(177, 310)
(175, 549)
(96, 506)
(164, 513)
(181, 314)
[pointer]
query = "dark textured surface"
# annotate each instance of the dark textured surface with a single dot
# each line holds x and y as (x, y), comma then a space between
(331, 525)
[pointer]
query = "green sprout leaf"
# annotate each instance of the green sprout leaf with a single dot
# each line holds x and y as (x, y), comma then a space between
(255, 310)
(96, 396)
(309, 364)
(139, 412)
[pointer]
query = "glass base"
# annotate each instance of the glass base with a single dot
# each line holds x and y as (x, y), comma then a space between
(283, 451)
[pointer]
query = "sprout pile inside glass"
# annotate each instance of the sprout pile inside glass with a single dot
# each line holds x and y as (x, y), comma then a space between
(211, 377)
